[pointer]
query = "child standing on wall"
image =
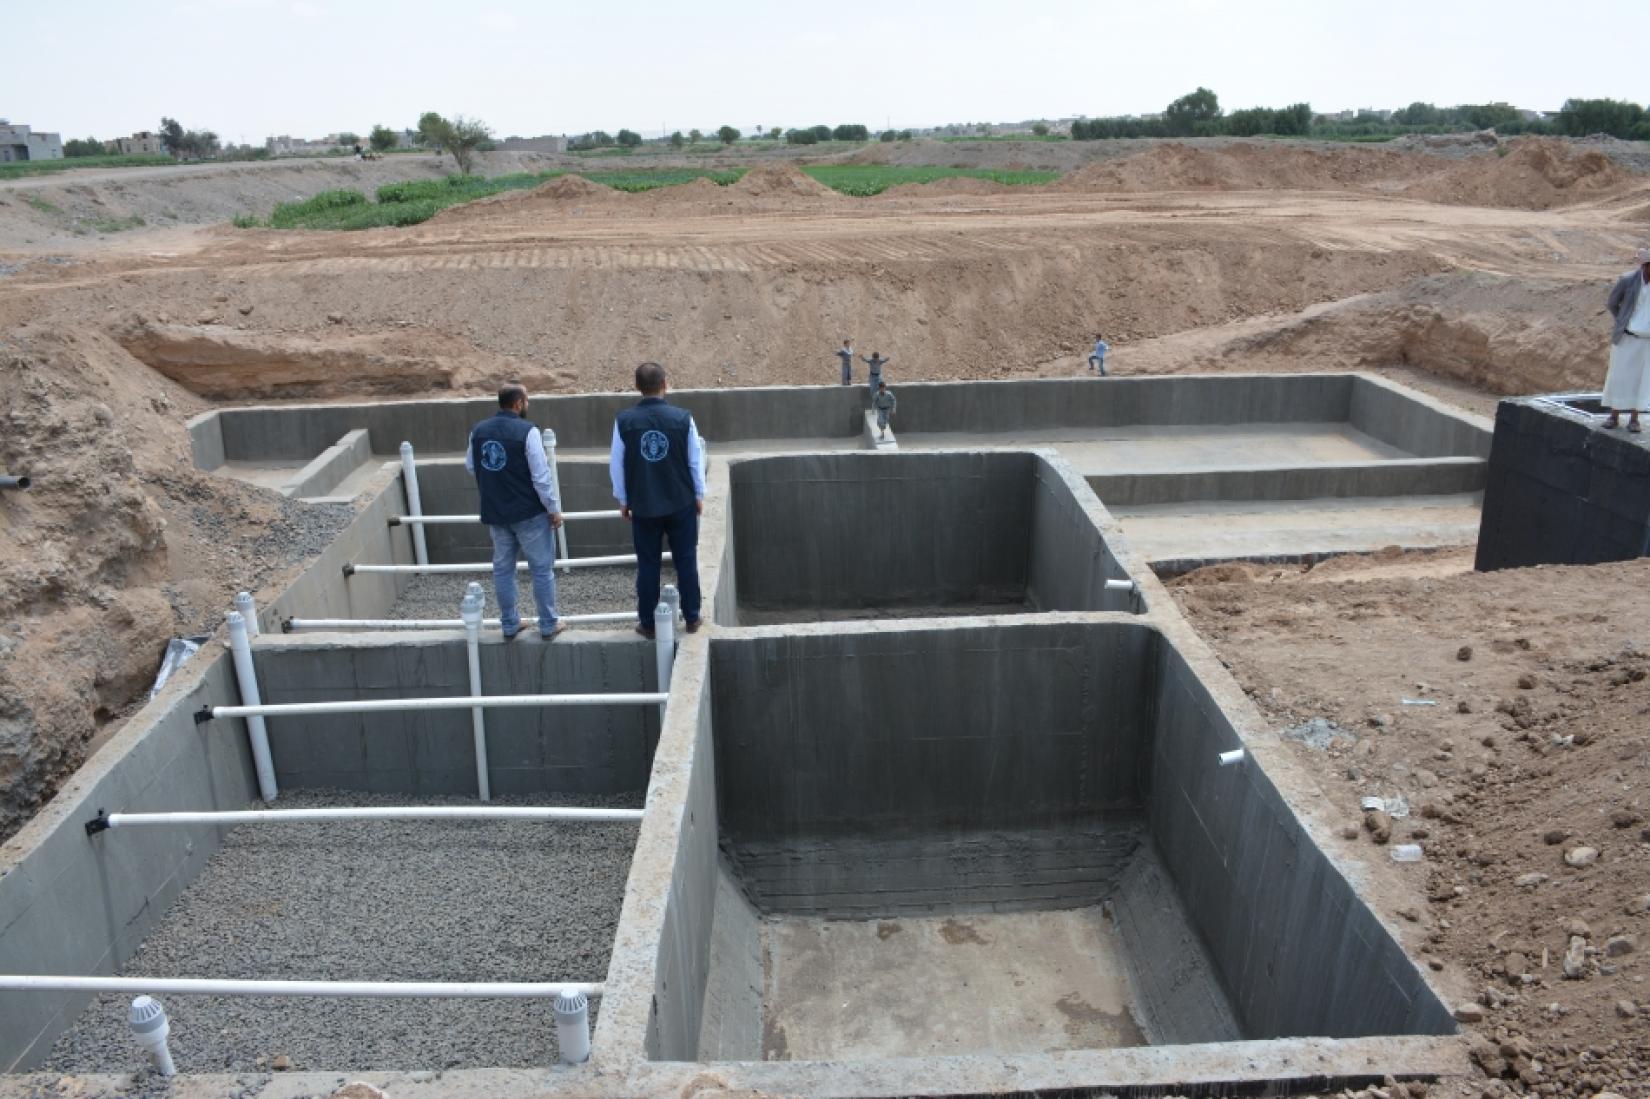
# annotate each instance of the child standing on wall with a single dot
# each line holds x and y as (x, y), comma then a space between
(874, 366)
(846, 354)
(885, 404)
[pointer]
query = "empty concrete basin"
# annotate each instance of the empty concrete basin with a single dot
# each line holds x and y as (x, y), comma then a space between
(846, 536)
(1014, 839)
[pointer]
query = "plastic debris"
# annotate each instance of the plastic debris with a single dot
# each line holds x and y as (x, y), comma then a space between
(1406, 852)
(178, 652)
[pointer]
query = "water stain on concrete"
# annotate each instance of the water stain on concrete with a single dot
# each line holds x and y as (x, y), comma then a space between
(1089, 1026)
(887, 929)
(957, 933)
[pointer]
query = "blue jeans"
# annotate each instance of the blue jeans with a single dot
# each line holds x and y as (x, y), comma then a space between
(1096, 362)
(647, 535)
(534, 540)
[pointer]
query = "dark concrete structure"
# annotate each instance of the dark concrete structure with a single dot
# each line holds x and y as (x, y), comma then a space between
(1563, 490)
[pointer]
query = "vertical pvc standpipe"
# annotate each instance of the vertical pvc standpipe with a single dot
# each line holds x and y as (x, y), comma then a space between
(240, 647)
(555, 484)
(249, 611)
(415, 506)
(674, 598)
(470, 612)
(150, 1027)
(664, 648)
(572, 1010)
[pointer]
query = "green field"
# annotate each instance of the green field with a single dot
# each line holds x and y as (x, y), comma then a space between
(419, 200)
(873, 179)
(19, 169)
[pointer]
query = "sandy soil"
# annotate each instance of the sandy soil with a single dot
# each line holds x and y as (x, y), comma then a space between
(1470, 269)
(1530, 745)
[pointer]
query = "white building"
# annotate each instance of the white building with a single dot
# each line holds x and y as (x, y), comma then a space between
(18, 142)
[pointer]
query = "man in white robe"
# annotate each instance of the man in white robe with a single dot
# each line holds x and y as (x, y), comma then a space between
(1627, 385)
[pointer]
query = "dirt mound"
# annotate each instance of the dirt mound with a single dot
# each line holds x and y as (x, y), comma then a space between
(1174, 166)
(780, 180)
(217, 361)
(1534, 173)
(547, 199)
(120, 545)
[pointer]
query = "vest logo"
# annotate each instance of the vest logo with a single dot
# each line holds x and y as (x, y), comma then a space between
(655, 446)
(492, 455)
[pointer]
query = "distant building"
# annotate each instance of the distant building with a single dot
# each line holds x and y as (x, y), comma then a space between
(286, 145)
(142, 143)
(546, 143)
(18, 142)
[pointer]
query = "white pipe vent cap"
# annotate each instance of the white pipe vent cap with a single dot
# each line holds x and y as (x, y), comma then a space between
(147, 1016)
(570, 1001)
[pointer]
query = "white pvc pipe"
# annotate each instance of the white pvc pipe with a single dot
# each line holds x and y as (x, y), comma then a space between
(195, 986)
(249, 611)
(1229, 758)
(445, 520)
(572, 1012)
(470, 612)
(150, 1028)
(389, 705)
(487, 566)
(415, 506)
(1120, 585)
(549, 438)
(664, 649)
(400, 812)
(435, 623)
(246, 675)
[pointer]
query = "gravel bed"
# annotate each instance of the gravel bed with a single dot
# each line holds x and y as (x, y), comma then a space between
(581, 591)
(393, 900)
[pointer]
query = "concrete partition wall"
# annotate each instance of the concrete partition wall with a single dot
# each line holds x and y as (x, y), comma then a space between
(1414, 422)
(323, 590)
(565, 749)
(1298, 952)
(77, 904)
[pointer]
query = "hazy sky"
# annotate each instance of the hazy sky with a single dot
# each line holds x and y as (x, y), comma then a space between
(251, 68)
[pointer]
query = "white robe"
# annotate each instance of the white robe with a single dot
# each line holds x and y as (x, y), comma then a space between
(1627, 385)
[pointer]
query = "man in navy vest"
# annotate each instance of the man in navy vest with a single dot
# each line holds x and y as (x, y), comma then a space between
(519, 506)
(657, 465)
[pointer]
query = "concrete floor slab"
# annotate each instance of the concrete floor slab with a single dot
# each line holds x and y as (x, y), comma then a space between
(1212, 530)
(1142, 448)
(1028, 982)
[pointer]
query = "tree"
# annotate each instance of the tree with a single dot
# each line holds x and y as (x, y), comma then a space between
(1417, 114)
(851, 132)
(1191, 111)
(431, 129)
(887, 135)
(171, 136)
(727, 135)
(694, 137)
(348, 138)
(801, 137)
(1580, 117)
(629, 139)
(383, 138)
(90, 146)
(905, 135)
(463, 137)
(1040, 129)
(676, 140)
(821, 133)
(773, 134)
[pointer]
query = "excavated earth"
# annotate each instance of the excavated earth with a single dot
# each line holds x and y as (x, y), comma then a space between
(1469, 267)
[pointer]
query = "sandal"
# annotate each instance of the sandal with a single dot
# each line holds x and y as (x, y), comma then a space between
(1633, 426)
(561, 628)
(1612, 423)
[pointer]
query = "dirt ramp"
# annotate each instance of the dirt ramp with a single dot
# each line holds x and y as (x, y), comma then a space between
(225, 363)
(553, 199)
(1534, 173)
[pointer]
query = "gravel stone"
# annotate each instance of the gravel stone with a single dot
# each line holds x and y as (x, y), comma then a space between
(583, 591)
(401, 900)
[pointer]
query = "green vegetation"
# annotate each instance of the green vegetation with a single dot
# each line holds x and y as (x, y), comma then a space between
(872, 179)
(41, 204)
(727, 134)
(21, 168)
(187, 144)
(383, 138)
(419, 200)
(108, 224)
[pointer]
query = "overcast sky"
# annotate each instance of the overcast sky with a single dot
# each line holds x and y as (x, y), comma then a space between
(251, 68)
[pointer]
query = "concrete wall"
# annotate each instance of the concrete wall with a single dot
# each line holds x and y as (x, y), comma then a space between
(324, 591)
(1562, 491)
(831, 741)
(1413, 477)
(1396, 415)
(1069, 559)
(1297, 951)
(327, 470)
(1414, 422)
(72, 903)
(206, 440)
(869, 530)
(574, 749)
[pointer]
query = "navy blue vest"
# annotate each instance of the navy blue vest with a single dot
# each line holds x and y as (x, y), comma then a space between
(498, 450)
(657, 478)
